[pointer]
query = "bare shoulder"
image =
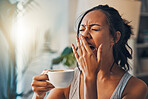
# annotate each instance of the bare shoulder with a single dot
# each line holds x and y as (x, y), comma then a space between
(136, 89)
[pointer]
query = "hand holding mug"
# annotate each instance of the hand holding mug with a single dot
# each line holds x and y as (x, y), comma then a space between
(40, 85)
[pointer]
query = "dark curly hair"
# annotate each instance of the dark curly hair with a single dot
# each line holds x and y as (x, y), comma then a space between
(116, 23)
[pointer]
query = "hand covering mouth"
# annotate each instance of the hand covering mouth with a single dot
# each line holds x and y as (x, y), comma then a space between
(92, 46)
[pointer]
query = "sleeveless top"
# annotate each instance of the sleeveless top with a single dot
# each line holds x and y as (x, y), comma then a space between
(75, 86)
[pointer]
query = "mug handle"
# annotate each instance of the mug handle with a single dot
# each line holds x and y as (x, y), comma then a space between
(45, 71)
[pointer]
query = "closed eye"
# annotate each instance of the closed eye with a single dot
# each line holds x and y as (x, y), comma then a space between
(81, 30)
(95, 29)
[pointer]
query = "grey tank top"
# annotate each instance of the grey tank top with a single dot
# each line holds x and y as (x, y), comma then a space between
(117, 94)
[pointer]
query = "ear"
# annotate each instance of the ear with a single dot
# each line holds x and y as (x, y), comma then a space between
(115, 40)
(118, 35)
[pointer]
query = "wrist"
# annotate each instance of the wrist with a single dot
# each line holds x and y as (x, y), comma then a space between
(39, 96)
(90, 79)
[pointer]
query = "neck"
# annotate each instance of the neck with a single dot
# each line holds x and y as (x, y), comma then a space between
(105, 71)
(106, 65)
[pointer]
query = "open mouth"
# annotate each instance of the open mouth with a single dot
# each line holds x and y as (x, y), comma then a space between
(92, 47)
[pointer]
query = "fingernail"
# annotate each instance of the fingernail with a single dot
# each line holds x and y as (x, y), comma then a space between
(101, 46)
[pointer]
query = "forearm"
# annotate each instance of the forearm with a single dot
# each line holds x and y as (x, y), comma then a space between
(90, 88)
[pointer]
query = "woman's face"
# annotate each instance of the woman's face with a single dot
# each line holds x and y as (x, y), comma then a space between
(95, 29)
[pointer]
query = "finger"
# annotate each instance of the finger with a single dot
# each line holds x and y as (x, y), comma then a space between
(41, 89)
(41, 84)
(75, 52)
(41, 77)
(99, 53)
(79, 46)
(86, 45)
(82, 46)
(81, 63)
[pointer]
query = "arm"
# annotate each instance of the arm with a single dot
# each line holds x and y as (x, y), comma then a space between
(90, 88)
(35, 96)
(59, 93)
(90, 65)
(56, 94)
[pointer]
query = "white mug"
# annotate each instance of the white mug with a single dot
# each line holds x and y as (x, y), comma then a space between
(60, 78)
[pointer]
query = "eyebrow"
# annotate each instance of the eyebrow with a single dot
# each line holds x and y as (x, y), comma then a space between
(91, 25)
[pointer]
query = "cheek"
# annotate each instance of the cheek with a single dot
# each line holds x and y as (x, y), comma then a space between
(102, 39)
(98, 39)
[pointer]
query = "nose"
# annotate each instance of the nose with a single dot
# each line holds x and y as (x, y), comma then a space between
(87, 34)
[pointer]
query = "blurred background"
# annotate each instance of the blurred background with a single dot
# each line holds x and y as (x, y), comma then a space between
(37, 35)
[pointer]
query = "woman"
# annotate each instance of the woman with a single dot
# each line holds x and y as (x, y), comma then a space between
(102, 58)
